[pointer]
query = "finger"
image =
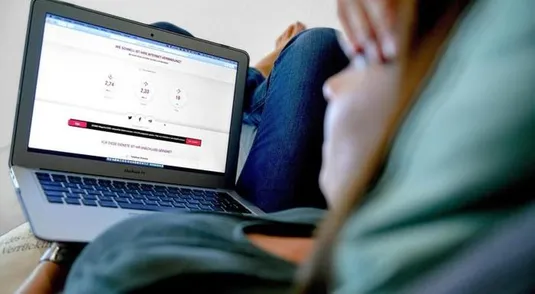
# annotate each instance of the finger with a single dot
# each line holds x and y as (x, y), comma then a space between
(367, 35)
(349, 30)
(382, 13)
(382, 16)
(346, 46)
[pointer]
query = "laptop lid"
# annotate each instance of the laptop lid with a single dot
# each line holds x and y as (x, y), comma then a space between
(107, 96)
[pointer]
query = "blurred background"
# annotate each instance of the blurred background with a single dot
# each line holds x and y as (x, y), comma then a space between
(251, 25)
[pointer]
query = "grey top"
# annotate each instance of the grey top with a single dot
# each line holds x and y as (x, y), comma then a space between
(190, 253)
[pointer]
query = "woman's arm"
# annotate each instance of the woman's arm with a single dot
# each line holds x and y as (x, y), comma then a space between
(50, 275)
(47, 277)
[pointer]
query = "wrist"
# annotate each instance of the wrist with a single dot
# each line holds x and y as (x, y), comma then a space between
(56, 254)
(61, 254)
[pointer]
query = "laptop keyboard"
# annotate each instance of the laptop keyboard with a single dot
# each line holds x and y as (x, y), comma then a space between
(87, 191)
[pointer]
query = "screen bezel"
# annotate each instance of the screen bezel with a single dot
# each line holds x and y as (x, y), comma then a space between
(20, 156)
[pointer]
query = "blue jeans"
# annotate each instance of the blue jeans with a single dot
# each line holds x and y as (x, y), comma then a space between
(282, 169)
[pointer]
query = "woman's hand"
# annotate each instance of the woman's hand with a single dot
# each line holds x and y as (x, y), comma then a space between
(369, 25)
(46, 278)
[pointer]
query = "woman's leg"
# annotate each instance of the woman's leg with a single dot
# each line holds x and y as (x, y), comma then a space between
(172, 28)
(283, 166)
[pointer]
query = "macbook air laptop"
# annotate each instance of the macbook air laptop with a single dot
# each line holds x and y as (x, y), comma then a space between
(116, 118)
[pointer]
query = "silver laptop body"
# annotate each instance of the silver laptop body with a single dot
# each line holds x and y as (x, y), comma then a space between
(116, 118)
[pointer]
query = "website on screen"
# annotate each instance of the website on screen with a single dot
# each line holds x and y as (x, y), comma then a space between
(116, 97)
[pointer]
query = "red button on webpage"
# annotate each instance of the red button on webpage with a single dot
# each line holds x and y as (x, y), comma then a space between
(194, 142)
(77, 123)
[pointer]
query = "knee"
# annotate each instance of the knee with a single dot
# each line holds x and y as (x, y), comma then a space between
(164, 25)
(171, 27)
(314, 49)
(323, 38)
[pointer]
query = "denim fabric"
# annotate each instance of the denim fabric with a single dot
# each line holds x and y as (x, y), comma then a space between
(283, 166)
(282, 169)
(172, 28)
(253, 104)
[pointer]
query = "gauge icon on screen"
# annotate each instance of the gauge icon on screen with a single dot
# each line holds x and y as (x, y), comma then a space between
(145, 92)
(109, 86)
(178, 98)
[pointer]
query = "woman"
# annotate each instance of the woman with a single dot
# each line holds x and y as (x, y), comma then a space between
(413, 168)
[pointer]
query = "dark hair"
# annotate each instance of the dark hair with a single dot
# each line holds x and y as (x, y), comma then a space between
(426, 26)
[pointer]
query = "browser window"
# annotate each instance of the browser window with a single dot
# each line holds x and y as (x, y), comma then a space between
(107, 95)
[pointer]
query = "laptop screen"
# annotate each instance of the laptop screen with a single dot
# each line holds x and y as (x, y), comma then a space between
(106, 95)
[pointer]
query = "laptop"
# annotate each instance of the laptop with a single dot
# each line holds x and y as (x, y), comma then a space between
(116, 119)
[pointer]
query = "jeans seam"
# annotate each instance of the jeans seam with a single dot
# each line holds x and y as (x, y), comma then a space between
(268, 83)
(277, 61)
(262, 102)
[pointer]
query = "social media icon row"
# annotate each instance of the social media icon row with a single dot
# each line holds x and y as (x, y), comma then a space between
(140, 119)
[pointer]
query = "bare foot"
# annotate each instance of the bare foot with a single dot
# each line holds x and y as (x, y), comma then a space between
(288, 34)
(266, 64)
